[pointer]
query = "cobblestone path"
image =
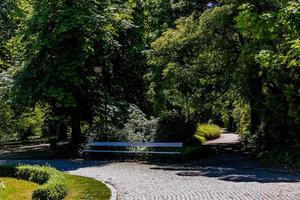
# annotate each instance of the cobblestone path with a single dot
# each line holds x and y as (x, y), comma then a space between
(222, 178)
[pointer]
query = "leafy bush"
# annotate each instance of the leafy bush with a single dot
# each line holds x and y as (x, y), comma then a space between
(196, 152)
(17, 122)
(7, 171)
(207, 132)
(174, 127)
(138, 128)
(199, 138)
(53, 182)
(287, 157)
(35, 174)
(126, 122)
(191, 152)
(241, 116)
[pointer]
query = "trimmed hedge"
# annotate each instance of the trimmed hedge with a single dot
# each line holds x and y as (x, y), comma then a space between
(207, 132)
(53, 186)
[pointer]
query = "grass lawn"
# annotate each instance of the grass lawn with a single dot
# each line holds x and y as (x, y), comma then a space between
(80, 188)
(16, 189)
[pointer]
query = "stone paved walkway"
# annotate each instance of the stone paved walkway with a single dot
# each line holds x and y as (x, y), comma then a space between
(225, 138)
(222, 178)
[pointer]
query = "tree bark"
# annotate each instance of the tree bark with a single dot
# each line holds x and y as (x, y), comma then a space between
(256, 99)
(76, 137)
(255, 117)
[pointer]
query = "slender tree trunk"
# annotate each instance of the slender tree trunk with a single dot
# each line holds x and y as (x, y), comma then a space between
(256, 99)
(76, 137)
(255, 117)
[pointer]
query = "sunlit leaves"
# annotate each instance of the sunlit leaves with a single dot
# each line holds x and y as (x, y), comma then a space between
(192, 63)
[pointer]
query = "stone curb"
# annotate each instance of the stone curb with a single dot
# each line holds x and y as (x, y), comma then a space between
(113, 190)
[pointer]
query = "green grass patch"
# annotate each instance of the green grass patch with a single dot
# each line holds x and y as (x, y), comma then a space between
(206, 132)
(52, 182)
(83, 188)
(46, 183)
(16, 189)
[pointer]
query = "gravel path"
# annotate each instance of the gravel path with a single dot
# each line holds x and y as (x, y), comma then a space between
(223, 178)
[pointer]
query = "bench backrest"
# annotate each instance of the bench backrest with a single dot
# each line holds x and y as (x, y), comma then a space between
(133, 144)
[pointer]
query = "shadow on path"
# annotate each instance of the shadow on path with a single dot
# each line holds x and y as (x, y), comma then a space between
(232, 168)
(63, 165)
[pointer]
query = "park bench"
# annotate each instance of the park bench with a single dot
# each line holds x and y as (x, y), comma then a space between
(114, 147)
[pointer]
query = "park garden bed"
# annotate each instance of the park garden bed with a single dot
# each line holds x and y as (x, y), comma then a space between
(46, 183)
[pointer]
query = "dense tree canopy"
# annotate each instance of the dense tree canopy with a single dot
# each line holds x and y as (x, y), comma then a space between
(9, 14)
(234, 50)
(167, 63)
(193, 64)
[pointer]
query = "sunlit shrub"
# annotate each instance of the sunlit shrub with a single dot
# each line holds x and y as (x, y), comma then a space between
(207, 132)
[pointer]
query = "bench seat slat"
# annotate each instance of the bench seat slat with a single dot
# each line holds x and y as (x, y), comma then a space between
(133, 144)
(137, 152)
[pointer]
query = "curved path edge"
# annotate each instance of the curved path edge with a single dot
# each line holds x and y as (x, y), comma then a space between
(113, 190)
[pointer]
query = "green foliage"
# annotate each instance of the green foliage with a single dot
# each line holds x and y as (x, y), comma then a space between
(126, 122)
(207, 132)
(64, 40)
(33, 173)
(9, 20)
(280, 156)
(173, 127)
(192, 152)
(78, 188)
(138, 128)
(162, 15)
(272, 32)
(67, 22)
(234, 62)
(199, 138)
(239, 59)
(241, 116)
(192, 65)
(53, 182)
(123, 79)
(17, 124)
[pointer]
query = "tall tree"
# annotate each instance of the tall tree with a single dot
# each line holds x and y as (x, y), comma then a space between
(192, 64)
(129, 62)
(9, 13)
(251, 47)
(65, 39)
(271, 32)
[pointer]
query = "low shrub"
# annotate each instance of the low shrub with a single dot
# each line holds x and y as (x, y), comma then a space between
(196, 152)
(35, 174)
(7, 170)
(173, 127)
(287, 157)
(53, 186)
(207, 132)
(191, 152)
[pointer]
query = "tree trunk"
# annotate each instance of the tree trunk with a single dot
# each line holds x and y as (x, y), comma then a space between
(256, 97)
(76, 137)
(254, 117)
